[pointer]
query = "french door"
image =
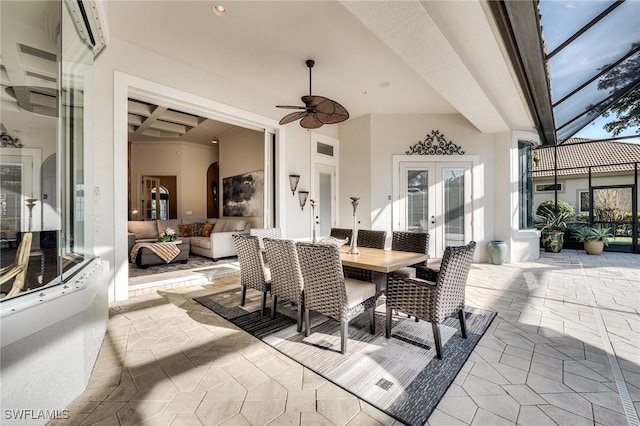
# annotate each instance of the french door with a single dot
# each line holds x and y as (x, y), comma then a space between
(435, 197)
(150, 198)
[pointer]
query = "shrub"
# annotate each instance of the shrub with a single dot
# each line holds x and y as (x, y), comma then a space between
(563, 208)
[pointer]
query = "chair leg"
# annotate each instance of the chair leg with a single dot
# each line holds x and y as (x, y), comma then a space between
(417, 319)
(264, 302)
(372, 320)
(344, 334)
(307, 323)
(274, 302)
(436, 338)
(463, 323)
(244, 295)
(300, 317)
(388, 321)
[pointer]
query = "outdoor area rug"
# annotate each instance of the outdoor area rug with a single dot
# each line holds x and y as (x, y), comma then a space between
(400, 376)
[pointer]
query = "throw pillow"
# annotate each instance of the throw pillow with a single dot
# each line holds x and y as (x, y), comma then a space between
(197, 229)
(186, 230)
(206, 229)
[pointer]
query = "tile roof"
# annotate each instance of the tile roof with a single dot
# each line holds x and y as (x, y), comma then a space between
(577, 154)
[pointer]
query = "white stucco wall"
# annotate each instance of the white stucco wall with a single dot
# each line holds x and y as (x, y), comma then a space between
(393, 134)
(125, 70)
(46, 363)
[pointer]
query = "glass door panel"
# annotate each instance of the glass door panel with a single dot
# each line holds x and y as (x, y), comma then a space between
(613, 208)
(454, 226)
(435, 197)
(325, 211)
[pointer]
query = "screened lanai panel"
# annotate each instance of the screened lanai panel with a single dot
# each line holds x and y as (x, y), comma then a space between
(603, 44)
(592, 48)
(560, 22)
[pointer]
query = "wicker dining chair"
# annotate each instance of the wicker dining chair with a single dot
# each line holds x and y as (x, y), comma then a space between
(329, 293)
(341, 233)
(286, 277)
(253, 272)
(415, 242)
(263, 233)
(433, 301)
(372, 239)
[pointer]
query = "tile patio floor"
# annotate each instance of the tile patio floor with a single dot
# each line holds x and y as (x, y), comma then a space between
(546, 359)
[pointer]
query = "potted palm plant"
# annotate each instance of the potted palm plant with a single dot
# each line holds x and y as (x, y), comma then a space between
(552, 231)
(594, 238)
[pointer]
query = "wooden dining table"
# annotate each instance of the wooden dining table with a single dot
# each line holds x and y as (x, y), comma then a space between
(380, 261)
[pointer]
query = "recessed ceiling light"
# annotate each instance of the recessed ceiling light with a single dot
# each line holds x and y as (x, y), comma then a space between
(220, 10)
(384, 84)
(363, 92)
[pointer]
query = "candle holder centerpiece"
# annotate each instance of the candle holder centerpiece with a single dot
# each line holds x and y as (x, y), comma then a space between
(354, 234)
(314, 219)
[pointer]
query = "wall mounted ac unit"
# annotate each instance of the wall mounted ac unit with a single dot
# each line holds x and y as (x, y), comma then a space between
(90, 20)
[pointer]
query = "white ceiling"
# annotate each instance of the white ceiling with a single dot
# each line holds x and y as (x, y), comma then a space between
(410, 57)
(437, 57)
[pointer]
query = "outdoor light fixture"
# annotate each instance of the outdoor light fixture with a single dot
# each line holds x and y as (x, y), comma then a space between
(302, 196)
(293, 182)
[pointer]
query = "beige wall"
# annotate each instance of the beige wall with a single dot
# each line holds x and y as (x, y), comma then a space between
(187, 161)
(241, 151)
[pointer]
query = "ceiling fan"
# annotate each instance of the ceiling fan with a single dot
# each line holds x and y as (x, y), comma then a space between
(318, 110)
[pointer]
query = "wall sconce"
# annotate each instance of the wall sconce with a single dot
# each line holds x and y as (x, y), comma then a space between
(302, 196)
(293, 182)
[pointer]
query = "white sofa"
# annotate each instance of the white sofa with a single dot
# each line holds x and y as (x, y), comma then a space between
(218, 244)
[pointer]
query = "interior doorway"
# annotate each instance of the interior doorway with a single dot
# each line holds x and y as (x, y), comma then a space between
(159, 197)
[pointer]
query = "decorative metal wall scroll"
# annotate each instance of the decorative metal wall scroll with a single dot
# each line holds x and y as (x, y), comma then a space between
(435, 144)
(7, 140)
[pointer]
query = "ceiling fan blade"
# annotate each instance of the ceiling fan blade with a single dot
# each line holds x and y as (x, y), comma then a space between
(291, 106)
(326, 107)
(313, 101)
(339, 114)
(311, 122)
(293, 117)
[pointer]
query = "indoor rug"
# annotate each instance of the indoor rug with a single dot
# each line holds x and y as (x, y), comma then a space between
(400, 376)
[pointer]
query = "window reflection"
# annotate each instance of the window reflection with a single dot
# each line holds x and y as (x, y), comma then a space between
(42, 193)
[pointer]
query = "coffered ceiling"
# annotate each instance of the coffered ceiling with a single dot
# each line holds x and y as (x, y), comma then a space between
(149, 122)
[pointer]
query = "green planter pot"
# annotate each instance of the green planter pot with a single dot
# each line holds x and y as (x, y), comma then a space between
(497, 252)
(552, 241)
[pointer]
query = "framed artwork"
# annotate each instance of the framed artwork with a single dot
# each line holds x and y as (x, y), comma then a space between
(243, 195)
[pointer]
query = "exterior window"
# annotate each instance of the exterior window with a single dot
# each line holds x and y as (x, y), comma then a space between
(525, 186)
(549, 187)
(583, 201)
(42, 175)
